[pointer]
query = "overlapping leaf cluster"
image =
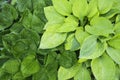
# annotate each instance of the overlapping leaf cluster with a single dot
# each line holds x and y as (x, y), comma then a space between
(91, 27)
(21, 27)
(59, 40)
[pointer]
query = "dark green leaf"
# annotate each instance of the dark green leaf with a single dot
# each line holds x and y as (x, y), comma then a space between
(11, 66)
(29, 66)
(67, 59)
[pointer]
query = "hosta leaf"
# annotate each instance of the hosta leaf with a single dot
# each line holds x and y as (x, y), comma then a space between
(29, 66)
(70, 24)
(22, 5)
(80, 8)
(116, 4)
(115, 42)
(114, 54)
(111, 13)
(103, 68)
(117, 28)
(67, 73)
(82, 74)
(117, 19)
(51, 26)
(52, 15)
(67, 59)
(82, 60)
(104, 5)
(30, 21)
(18, 76)
(62, 6)
(67, 27)
(92, 8)
(20, 48)
(52, 39)
(40, 75)
(117, 73)
(36, 24)
(16, 28)
(80, 35)
(92, 48)
(100, 26)
(71, 43)
(11, 66)
(7, 15)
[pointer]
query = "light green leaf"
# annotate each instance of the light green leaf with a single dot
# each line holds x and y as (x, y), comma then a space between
(51, 26)
(103, 68)
(67, 73)
(115, 42)
(71, 23)
(67, 27)
(29, 66)
(71, 43)
(117, 73)
(117, 28)
(104, 5)
(11, 66)
(82, 60)
(82, 74)
(100, 26)
(111, 13)
(114, 54)
(116, 4)
(92, 48)
(92, 8)
(80, 8)
(80, 35)
(52, 39)
(52, 15)
(62, 6)
(117, 19)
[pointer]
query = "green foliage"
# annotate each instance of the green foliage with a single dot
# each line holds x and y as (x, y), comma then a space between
(59, 40)
(92, 28)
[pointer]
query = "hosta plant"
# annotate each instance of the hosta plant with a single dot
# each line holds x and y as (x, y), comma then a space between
(91, 29)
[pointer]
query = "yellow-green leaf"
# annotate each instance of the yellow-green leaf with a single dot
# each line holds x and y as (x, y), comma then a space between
(103, 68)
(52, 39)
